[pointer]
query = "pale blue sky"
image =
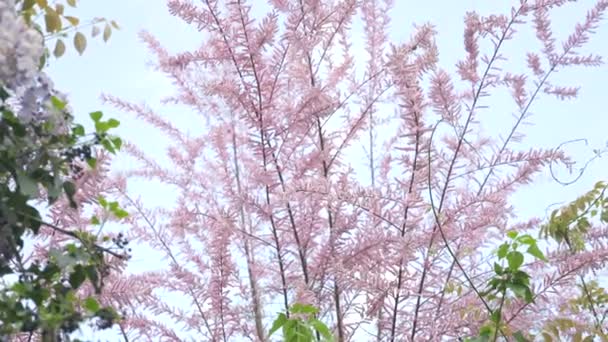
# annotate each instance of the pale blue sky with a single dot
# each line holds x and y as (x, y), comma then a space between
(119, 68)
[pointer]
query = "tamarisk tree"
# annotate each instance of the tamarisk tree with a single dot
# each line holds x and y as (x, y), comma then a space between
(273, 207)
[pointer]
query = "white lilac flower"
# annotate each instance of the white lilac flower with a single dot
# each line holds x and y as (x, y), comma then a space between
(33, 101)
(35, 106)
(21, 48)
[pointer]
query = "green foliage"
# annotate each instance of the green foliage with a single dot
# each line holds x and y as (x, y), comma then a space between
(596, 295)
(36, 157)
(560, 329)
(509, 279)
(60, 26)
(570, 223)
(38, 161)
(302, 325)
(45, 297)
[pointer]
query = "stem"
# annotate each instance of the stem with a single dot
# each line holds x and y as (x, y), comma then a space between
(259, 327)
(497, 327)
(403, 226)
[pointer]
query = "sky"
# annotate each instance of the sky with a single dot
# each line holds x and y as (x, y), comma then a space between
(120, 67)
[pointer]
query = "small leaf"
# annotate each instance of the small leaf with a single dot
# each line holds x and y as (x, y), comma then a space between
(72, 20)
(96, 116)
(78, 130)
(91, 304)
(70, 190)
(117, 142)
(42, 3)
(108, 146)
(120, 213)
(502, 250)
(526, 239)
(512, 234)
(27, 185)
(536, 252)
(80, 42)
(278, 323)
(107, 32)
(77, 277)
(113, 123)
(115, 25)
(58, 103)
(28, 4)
(322, 329)
(52, 21)
(303, 308)
(71, 3)
(102, 201)
(495, 316)
(515, 259)
(59, 48)
(92, 162)
(95, 31)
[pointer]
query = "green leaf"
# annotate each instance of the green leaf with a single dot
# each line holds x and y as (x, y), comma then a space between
(78, 130)
(502, 250)
(536, 252)
(27, 185)
(322, 329)
(92, 162)
(71, 3)
(278, 323)
(91, 304)
(495, 316)
(117, 142)
(102, 201)
(113, 123)
(93, 276)
(80, 42)
(108, 146)
(59, 48)
(515, 259)
(57, 103)
(95, 220)
(96, 116)
(303, 308)
(70, 190)
(518, 289)
(526, 239)
(120, 213)
(77, 277)
(512, 234)
(101, 126)
(498, 269)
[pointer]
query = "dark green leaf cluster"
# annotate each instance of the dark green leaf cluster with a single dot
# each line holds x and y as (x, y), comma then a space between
(35, 161)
